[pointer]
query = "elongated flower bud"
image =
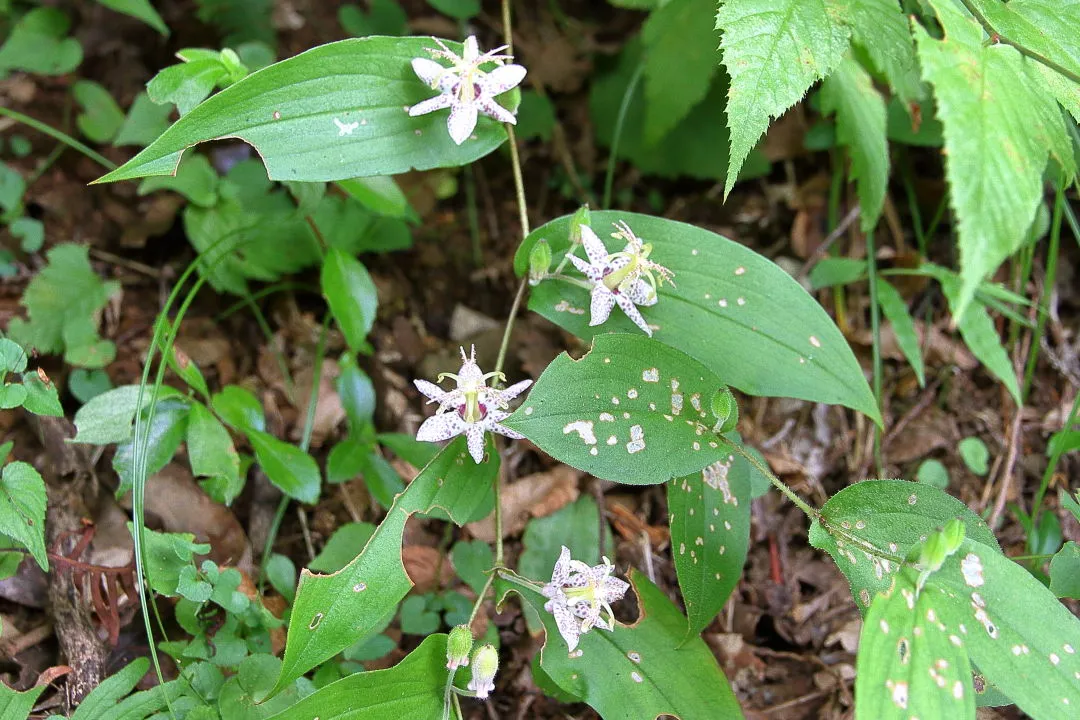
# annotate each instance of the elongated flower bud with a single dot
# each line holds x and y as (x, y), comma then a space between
(485, 663)
(458, 647)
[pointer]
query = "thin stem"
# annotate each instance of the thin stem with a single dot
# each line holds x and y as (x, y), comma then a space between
(1051, 466)
(790, 494)
(1023, 50)
(519, 182)
(58, 135)
(1047, 289)
(875, 329)
(620, 119)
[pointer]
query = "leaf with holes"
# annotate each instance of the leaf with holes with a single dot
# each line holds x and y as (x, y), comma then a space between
(644, 670)
(996, 143)
(730, 308)
(891, 516)
(331, 612)
(774, 51)
(22, 509)
(632, 411)
(337, 111)
(910, 662)
(710, 534)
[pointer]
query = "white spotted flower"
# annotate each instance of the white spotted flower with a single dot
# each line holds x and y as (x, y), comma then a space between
(580, 596)
(627, 278)
(471, 408)
(465, 88)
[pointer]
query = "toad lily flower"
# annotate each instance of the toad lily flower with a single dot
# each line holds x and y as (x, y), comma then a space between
(465, 88)
(472, 407)
(625, 277)
(582, 591)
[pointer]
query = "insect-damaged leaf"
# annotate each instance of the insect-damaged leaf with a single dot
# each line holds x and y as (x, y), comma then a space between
(337, 111)
(730, 308)
(633, 411)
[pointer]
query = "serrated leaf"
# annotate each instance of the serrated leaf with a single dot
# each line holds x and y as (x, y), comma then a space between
(681, 58)
(908, 665)
(849, 92)
(331, 612)
(892, 516)
(896, 312)
(632, 411)
(880, 28)
(710, 534)
(22, 509)
(63, 302)
(998, 125)
(351, 295)
(334, 112)
(411, 689)
(289, 468)
(774, 50)
(730, 308)
(639, 671)
(12, 396)
(140, 10)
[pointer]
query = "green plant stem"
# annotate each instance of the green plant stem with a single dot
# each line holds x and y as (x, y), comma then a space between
(620, 119)
(1022, 49)
(58, 135)
(1047, 289)
(875, 330)
(1051, 466)
(779, 484)
(1073, 224)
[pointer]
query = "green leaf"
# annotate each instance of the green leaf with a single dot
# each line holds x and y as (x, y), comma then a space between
(186, 85)
(41, 396)
(881, 30)
(999, 124)
(22, 509)
(17, 705)
(101, 117)
(212, 454)
(162, 436)
(892, 516)
(31, 233)
(411, 689)
(39, 44)
(331, 612)
(281, 574)
(417, 617)
(536, 116)
(363, 84)
(833, 271)
(167, 554)
(710, 534)
(145, 121)
(345, 544)
(472, 560)
(896, 312)
(933, 473)
(63, 301)
(380, 194)
(774, 50)
(741, 309)
(458, 9)
(1065, 571)
(681, 58)
(12, 187)
(289, 468)
(639, 671)
(351, 294)
(86, 384)
(140, 10)
(1063, 441)
(187, 370)
(860, 126)
(195, 179)
(386, 17)
(12, 396)
(632, 410)
(975, 455)
(100, 704)
(981, 336)
(107, 418)
(239, 408)
(908, 665)
(12, 357)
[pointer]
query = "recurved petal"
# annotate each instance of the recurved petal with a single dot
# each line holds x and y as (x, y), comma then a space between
(430, 105)
(432, 391)
(494, 110)
(428, 70)
(505, 431)
(602, 302)
(593, 272)
(516, 389)
(503, 78)
(633, 313)
(462, 122)
(442, 426)
(594, 246)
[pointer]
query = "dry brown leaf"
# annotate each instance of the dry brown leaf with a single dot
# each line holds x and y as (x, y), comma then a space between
(534, 495)
(329, 412)
(930, 430)
(426, 567)
(630, 526)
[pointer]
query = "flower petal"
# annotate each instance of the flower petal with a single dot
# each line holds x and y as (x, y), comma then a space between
(471, 50)
(432, 391)
(602, 302)
(613, 589)
(593, 272)
(442, 426)
(430, 105)
(633, 313)
(562, 567)
(429, 71)
(640, 292)
(568, 626)
(476, 442)
(502, 79)
(505, 431)
(494, 110)
(594, 246)
(462, 122)
(516, 389)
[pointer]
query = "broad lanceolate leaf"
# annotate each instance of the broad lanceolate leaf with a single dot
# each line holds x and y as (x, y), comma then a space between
(880, 28)
(331, 612)
(908, 663)
(774, 50)
(730, 308)
(411, 689)
(212, 455)
(999, 123)
(710, 533)
(639, 671)
(889, 516)
(633, 411)
(17, 705)
(22, 509)
(980, 335)
(860, 125)
(681, 58)
(351, 294)
(1065, 571)
(334, 112)
(140, 9)
(289, 468)
(896, 312)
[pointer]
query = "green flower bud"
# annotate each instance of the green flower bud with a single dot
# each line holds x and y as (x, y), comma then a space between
(539, 261)
(581, 217)
(458, 647)
(485, 663)
(725, 410)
